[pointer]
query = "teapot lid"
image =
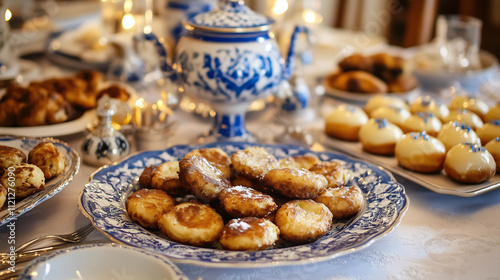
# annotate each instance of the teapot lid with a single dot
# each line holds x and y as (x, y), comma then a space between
(232, 17)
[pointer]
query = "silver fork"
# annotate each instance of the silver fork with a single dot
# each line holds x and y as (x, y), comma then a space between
(74, 237)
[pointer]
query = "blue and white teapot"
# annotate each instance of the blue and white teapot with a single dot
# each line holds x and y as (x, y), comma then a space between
(229, 59)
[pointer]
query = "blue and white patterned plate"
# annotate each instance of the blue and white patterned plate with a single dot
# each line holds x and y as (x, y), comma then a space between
(52, 186)
(103, 201)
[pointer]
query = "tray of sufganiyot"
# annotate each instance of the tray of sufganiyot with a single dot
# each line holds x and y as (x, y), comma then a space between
(450, 149)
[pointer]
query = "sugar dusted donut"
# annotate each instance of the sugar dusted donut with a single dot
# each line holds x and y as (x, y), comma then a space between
(333, 172)
(239, 201)
(420, 152)
(379, 136)
(253, 162)
(422, 121)
(494, 148)
(295, 183)
(28, 179)
(469, 163)
(489, 131)
(429, 104)
(249, 234)
(472, 104)
(303, 221)
(50, 160)
(465, 116)
(393, 114)
(145, 205)
(343, 202)
(345, 121)
(191, 223)
(454, 133)
(384, 101)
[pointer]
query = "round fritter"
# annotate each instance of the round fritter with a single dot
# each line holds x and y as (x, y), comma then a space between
(10, 156)
(304, 161)
(166, 178)
(28, 179)
(303, 221)
(145, 205)
(147, 176)
(343, 202)
(217, 157)
(191, 223)
(253, 162)
(201, 178)
(3, 195)
(241, 201)
(333, 172)
(50, 160)
(239, 180)
(296, 183)
(249, 234)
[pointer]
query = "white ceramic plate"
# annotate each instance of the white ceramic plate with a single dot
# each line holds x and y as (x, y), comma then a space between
(438, 182)
(60, 129)
(52, 186)
(102, 262)
(103, 201)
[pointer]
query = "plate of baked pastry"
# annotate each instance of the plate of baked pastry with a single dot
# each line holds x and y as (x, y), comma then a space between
(450, 149)
(32, 171)
(55, 106)
(244, 205)
(359, 77)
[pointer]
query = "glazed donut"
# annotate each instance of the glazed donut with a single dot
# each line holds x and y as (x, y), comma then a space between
(379, 136)
(469, 163)
(253, 162)
(145, 205)
(303, 221)
(384, 101)
(472, 104)
(50, 160)
(304, 161)
(489, 131)
(465, 116)
(295, 183)
(492, 114)
(166, 178)
(191, 223)
(249, 234)
(217, 157)
(429, 104)
(344, 122)
(422, 122)
(454, 133)
(343, 202)
(146, 178)
(333, 172)
(420, 152)
(393, 114)
(203, 179)
(239, 201)
(494, 148)
(28, 179)
(10, 156)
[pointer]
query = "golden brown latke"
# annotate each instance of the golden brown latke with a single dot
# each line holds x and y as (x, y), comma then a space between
(217, 157)
(241, 201)
(48, 158)
(166, 178)
(295, 183)
(253, 163)
(249, 234)
(145, 205)
(343, 202)
(333, 172)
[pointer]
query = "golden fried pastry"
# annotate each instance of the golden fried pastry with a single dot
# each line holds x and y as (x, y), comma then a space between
(146, 178)
(492, 114)
(114, 91)
(28, 179)
(379, 136)
(469, 163)
(8, 112)
(303, 221)
(333, 172)
(238, 180)
(50, 160)
(249, 234)
(420, 152)
(32, 114)
(73, 89)
(295, 183)
(303, 161)
(253, 162)
(203, 179)
(358, 81)
(58, 109)
(217, 157)
(146, 205)
(191, 223)
(166, 178)
(393, 114)
(475, 105)
(355, 62)
(10, 156)
(489, 131)
(422, 121)
(92, 79)
(343, 202)
(402, 83)
(3, 195)
(454, 133)
(465, 116)
(494, 148)
(387, 67)
(378, 101)
(344, 122)
(429, 104)
(241, 201)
